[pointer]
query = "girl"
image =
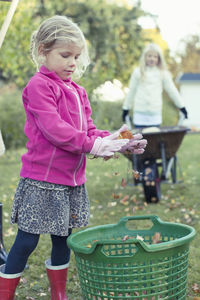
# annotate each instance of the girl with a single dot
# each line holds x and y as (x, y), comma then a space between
(146, 86)
(51, 196)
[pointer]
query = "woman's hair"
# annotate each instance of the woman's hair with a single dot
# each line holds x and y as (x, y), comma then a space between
(155, 48)
(56, 30)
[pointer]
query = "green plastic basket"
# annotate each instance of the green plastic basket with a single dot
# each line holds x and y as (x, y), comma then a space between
(113, 261)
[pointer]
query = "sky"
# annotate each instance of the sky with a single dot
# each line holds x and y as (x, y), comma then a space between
(176, 19)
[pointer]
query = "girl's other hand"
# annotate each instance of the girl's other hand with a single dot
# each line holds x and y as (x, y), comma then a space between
(136, 145)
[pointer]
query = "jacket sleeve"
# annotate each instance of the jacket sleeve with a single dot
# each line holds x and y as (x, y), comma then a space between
(171, 90)
(42, 104)
(92, 130)
(129, 100)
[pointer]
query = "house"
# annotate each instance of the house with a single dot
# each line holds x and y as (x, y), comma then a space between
(190, 91)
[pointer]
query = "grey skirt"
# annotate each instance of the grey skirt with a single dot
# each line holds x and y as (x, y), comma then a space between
(42, 207)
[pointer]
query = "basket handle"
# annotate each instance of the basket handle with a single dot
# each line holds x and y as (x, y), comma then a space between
(103, 254)
(155, 219)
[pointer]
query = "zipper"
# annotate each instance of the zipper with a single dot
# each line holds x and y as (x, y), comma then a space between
(81, 128)
(79, 105)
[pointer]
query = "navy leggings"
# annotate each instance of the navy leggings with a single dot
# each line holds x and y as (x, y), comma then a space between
(25, 243)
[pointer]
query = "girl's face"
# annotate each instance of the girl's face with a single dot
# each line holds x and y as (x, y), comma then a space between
(151, 59)
(63, 59)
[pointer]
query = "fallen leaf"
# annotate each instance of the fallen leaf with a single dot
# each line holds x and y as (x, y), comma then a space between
(124, 199)
(116, 173)
(112, 204)
(23, 280)
(196, 288)
(123, 182)
(116, 196)
(136, 174)
(9, 232)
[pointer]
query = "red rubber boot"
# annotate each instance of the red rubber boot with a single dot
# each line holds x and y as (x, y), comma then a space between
(57, 278)
(8, 284)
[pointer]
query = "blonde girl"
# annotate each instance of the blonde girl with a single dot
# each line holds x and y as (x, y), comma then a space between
(51, 196)
(145, 89)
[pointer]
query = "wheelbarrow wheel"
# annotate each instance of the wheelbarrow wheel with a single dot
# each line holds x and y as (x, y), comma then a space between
(151, 182)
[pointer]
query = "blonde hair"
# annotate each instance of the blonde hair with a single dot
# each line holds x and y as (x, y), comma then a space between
(58, 29)
(161, 61)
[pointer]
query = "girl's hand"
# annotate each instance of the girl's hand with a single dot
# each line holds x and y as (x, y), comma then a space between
(136, 145)
(107, 146)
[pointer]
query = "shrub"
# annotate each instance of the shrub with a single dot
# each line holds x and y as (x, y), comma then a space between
(12, 119)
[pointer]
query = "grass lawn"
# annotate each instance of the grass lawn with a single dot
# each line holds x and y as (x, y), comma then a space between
(179, 203)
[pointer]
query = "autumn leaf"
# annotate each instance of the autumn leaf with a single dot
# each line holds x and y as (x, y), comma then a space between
(23, 280)
(116, 173)
(112, 204)
(134, 199)
(123, 182)
(124, 199)
(116, 196)
(125, 238)
(9, 232)
(196, 288)
(140, 238)
(156, 238)
(136, 174)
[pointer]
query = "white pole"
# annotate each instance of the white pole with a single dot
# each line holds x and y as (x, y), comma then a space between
(7, 20)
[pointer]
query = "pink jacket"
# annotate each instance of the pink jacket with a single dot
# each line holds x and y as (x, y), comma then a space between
(59, 129)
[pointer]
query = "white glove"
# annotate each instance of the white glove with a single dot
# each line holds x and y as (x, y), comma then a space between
(108, 145)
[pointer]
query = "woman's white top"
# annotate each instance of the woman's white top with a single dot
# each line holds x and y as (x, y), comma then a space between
(145, 95)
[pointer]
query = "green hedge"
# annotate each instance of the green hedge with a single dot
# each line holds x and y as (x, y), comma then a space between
(12, 118)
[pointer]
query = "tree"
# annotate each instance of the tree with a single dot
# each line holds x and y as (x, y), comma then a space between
(15, 62)
(114, 37)
(190, 58)
(153, 35)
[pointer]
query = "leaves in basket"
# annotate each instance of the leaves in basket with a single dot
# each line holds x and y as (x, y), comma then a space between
(90, 244)
(127, 237)
(156, 239)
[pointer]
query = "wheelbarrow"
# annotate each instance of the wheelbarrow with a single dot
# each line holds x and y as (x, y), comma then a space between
(159, 160)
